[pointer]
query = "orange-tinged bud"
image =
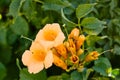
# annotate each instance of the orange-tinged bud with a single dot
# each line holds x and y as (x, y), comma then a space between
(59, 62)
(61, 49)
(80, 41)
(72, 47)
(74, 33)
(92, 56)
(79, 52)
(55, 52)
(74, 59)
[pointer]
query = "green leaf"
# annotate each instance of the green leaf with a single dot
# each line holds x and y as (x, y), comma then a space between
(11, 36)
(75, 75)
(20, 26)
(15, 6)
(67, 22)
(83, 9)
(65, 76)
(116, 25)
(5, 54)
(92, 39)
(92, 25)
(116, 50)
(25, 75)
(29, 9)
(115, 72)
(3, 36)
(55, 78)
(2, 71)
(55, 5)
(102, 65)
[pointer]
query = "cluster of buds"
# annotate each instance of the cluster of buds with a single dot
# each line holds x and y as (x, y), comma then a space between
(67, 55)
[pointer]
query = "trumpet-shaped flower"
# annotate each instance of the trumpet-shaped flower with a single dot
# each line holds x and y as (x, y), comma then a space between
(37, 58)
(50, 36)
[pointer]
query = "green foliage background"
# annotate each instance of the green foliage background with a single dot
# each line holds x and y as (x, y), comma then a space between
(100, 19)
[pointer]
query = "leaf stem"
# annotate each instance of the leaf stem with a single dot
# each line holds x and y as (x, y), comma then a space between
(79, 25)
(26, 38)
(18, 64)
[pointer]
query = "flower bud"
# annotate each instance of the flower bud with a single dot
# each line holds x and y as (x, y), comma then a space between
(79, 52)
(80, 41)
(74, 59)
(72, 47)
(92, 56)
(61, 49)
(74, 33)
(59, 62)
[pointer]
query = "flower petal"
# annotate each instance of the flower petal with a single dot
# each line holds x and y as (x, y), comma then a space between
(35, 46)
(48, 59)
(54, 26)
(35, 67)
(59, 39)
(26, 57)
(39, 36)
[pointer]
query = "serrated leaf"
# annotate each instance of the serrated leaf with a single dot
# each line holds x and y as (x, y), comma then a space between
(15, 6)
(20, 26)
(116, 50)
(92, 25)
(2, 71)
(83, 9)
(25, 75)
(102, 65)
(66, 21)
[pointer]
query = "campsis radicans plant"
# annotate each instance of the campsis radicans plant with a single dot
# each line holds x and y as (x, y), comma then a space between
(50, 47)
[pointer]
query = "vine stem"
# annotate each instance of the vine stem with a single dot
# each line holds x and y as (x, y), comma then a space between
(106, 51)
(65, 29)
(26, 38)
(79, 25)
(39, 1)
